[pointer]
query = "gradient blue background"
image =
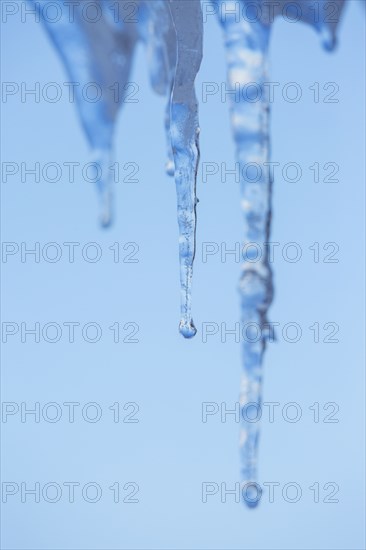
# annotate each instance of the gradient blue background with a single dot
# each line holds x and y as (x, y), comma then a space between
(170, 452)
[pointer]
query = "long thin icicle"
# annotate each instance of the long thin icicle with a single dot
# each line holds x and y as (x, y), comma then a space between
(187, 19)
(246, 47)
(247, 41)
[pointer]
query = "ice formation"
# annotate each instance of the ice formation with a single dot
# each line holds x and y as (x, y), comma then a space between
(101, 50)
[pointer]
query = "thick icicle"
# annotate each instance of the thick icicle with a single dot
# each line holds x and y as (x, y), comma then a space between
(188, 23)
(95, 53)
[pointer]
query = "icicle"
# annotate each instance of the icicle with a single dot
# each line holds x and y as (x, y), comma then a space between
(172, 30)
(246, 47)
(95, 53)
(246, 56)
(158, 33)
(188, 24)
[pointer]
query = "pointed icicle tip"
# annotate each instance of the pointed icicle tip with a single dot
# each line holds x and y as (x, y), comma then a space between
(106, 212)
(187, 328)
(170, 168)
(105, 222)
(252, 494)
(328, 40)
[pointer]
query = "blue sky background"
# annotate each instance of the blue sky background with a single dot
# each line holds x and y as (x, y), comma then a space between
(170, 452)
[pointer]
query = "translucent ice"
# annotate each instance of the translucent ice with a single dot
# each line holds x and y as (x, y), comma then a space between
(101, 51)
(246, 44)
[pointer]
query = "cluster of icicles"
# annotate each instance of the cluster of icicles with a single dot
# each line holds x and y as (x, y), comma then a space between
(102, 52)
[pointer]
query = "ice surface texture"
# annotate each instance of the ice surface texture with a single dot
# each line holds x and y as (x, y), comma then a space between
(246, 44)
(172, 31)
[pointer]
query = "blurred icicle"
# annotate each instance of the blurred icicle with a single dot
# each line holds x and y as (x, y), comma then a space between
(246, 47)
(98, 53)
(247, 41)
